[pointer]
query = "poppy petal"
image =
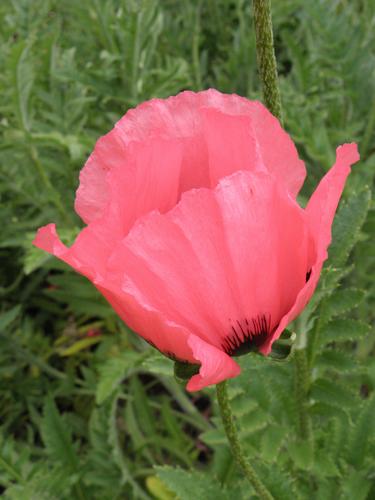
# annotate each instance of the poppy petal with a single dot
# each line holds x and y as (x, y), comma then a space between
(217, 259)
(320, 212)
(206, 126)
(216, 366)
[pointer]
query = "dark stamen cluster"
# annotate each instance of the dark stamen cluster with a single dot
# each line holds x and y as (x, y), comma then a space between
(247, 335)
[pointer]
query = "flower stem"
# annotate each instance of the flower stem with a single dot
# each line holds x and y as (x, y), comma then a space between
(234, 442)
(266, 56)
(302, 382)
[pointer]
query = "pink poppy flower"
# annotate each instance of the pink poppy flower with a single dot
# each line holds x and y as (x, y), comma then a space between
(194, 235)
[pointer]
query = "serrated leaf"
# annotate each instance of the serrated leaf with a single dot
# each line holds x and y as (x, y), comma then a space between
(57, 437)
(337, 360)
(342, 301)
(23, 79)
(347, 225)
(333, 394)
(157, 488)
(343, 330)
(213, 437)
(253, 422)
(302, 453)
(362, 432)
(8, 317)
(191, 485)
(324, 466)
(355, 486)
(158, 364)
(113, 371)
(271, 442)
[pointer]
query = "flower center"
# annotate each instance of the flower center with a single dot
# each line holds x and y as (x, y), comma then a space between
(247, 335)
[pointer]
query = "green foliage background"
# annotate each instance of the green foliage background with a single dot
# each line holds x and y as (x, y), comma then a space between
(100, 416)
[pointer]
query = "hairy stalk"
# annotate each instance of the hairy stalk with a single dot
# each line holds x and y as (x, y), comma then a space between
(266, 56)
(302, 382)
(234, 442)
(369, 131)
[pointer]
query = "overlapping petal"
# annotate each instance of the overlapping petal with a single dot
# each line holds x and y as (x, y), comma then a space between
(205, 126)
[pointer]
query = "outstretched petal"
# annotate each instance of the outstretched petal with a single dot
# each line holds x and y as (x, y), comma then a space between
(320, 212)
(325, 199)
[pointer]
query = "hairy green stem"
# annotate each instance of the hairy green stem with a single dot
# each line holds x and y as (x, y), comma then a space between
(234, 442)
(266, 56)
(302, 384)
(369, 131)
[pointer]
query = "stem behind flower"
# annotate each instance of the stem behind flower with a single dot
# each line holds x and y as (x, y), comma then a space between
(266, 56)
(234, 442)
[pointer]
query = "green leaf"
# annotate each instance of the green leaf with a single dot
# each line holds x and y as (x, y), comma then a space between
(158, 363)
(23, 78)
(192, 485)
(57, 437)
(113, 371)
(342, 301)
(343, 330)
(333, 394)
(347, 225)
(213, 437)
(271, 442)
(360, 435)
(324, 465)
(355, 486)
(337, 360)
(8, 317)
(79, 346)
(157, 488)
(302, 453)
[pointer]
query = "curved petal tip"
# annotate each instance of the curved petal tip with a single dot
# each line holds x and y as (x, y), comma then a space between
(347, 153)
(47, 239)
(216, 365)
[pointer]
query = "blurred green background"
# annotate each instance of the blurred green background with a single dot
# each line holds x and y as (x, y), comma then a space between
(87, 410)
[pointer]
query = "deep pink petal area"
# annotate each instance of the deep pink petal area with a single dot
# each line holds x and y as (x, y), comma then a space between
(219, 258)
(208, 126)
(320, 212)
(216, 366)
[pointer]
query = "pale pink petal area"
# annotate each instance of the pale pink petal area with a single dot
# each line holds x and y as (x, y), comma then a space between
(217, 259)
(230, 144)
(196, 122)
(93, 192)
(149, 181)
(320, 212)
(216, 366)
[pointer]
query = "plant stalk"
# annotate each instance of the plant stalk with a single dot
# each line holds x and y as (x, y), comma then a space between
(266, 56)
(302, 383)
(234, 443)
